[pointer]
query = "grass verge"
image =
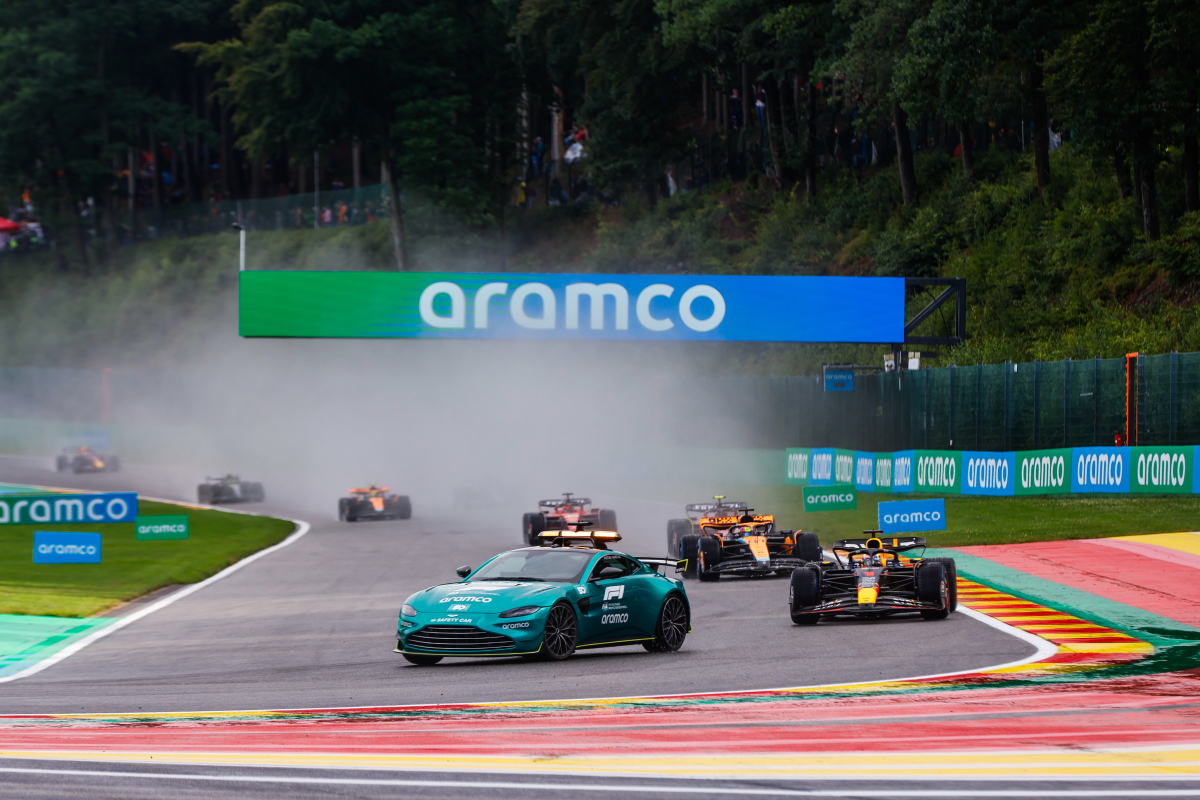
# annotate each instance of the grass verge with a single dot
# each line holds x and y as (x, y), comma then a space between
(992, 520)
(129, 568)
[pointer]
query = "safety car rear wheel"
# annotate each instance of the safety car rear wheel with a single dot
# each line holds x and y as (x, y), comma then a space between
(710, 556)
(931, 588)
(804, 591)
(421, 661)
(676, 530)
(562, 632)
(671, 628)
(689, 552)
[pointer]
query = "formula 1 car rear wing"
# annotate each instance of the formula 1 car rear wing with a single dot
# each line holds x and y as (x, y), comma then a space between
(566, 500)
(719, 506)
(881, 542)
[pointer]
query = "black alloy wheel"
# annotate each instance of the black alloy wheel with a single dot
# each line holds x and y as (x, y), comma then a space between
(562, 631)
(672, 626)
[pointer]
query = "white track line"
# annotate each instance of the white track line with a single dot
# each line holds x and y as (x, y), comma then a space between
(302, 528)
(529, 786)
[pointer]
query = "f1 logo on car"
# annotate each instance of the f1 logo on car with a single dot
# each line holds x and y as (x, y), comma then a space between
(614, 592)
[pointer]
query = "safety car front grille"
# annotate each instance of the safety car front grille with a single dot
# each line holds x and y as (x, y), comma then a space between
(461, 638)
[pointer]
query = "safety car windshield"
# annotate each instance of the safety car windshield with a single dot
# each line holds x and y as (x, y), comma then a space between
(552, 565)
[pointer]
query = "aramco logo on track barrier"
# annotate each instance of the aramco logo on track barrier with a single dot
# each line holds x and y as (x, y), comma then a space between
(114, 507)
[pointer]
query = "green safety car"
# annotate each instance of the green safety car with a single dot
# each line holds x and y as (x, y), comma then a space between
(546, 602)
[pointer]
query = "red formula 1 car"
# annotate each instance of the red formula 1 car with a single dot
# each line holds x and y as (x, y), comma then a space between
(874, 577)
(559, 515)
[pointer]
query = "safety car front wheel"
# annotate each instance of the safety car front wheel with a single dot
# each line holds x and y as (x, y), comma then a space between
(562, 632)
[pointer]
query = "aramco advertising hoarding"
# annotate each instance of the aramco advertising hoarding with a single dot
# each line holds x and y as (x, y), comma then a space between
(439, 305)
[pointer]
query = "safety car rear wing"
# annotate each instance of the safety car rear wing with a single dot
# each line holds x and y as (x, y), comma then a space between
(654, 563)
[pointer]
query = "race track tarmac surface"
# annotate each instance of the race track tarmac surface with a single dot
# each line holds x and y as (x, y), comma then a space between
(313, 625)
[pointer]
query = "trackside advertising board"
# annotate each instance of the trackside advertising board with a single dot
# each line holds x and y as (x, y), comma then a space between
(1099, 469)
(1043, 472)
(167, 526)
(938, 471)
(830, 498)
(1158, 470)
(798, 463)
(883, 472)
(864, 471)
(441, 305)
(911, 516)
(114, 507)
(58, 547)
(988, 473)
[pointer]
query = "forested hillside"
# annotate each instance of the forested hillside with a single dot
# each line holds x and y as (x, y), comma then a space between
(1047, 152)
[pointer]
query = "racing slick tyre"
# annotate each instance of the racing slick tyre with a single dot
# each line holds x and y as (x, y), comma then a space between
(204, 494)
(676, 530)
(672, 626)
(607, 520)
(951, 581)
(421, 661)
(61, 464)
(114, 464)
(562, 631)
(803, 592)
(931, 582)
(351, 511)
(532, 526)
(342, 503)
(689, 552)
(79, 466)
(710, 556)
(807, 547)
(253, 492)
(404, 507)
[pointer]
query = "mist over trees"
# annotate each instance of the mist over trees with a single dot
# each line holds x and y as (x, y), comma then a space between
(446, 97)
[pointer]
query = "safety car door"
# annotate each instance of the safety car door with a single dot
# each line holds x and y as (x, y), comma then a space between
(612, 606)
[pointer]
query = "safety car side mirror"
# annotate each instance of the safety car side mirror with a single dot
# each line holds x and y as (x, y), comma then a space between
(608, 573)
(463, 571)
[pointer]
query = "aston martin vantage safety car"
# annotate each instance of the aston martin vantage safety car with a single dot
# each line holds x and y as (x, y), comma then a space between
(85, 459)
(736, 541)
(373, 502)
(229, 488)
(559, 514)
(548, 602)
(874, 577)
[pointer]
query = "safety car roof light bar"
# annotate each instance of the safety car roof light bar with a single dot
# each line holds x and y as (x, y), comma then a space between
(596, 538)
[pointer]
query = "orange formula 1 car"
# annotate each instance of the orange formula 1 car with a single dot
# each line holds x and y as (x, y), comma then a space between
(874, 577)
(559, 515)
(730, 539)
(373, 502)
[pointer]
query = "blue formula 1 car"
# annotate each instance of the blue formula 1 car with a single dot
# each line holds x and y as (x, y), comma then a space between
(547, 602)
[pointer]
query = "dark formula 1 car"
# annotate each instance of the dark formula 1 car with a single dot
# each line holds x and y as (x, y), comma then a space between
(229, 488)
(874, 580)
(557, 515)
(373, 502)
(85, 459)
(732, 540)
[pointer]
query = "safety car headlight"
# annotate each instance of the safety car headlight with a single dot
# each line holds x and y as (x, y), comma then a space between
(523, 611)
(407, 611)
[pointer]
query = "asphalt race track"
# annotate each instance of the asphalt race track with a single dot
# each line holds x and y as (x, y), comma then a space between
(313, 626)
